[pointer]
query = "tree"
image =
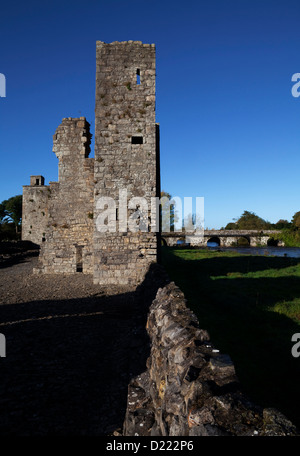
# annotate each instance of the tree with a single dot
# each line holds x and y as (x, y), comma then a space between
(296, 220)
(189, 222)
(249, 221)
(168, 212)
(282, 224)
(3, 213)
(231, 226)
(11, 210)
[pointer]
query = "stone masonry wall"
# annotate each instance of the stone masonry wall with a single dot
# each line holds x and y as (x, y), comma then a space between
(189, 388)
(68, 245)
(126, 155)
(35, 212)
(224, 237)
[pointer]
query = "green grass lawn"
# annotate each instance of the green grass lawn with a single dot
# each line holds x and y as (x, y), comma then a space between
(250, 306)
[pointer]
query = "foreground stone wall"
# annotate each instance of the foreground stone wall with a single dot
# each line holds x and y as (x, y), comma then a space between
(189, 388)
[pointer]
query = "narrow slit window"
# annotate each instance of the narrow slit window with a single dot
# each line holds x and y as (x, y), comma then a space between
(37, 182)
(136, 140)
(79, 267)
(138, 76)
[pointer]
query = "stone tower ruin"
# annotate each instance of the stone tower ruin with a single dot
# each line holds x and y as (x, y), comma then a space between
(126, 155)
(63, 217)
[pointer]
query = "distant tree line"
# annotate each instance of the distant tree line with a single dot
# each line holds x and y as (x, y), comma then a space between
(289, 231)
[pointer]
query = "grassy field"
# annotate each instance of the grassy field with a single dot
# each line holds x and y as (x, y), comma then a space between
(250, 305)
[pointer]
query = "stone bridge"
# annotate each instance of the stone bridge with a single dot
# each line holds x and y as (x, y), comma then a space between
(224, 238)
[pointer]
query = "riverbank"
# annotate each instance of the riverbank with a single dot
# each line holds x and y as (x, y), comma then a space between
(291, 252)
(250, 305)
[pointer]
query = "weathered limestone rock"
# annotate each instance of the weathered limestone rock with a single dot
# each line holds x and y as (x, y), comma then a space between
(189, 388)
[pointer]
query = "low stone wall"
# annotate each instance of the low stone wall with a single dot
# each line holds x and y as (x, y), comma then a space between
(189, 388)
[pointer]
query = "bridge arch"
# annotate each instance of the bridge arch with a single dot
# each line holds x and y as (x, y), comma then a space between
(213, 240)
(163, 241)
(243, 241)
(271, 242)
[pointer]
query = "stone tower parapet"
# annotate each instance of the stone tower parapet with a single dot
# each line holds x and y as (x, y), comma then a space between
(35, 210)
(71, 142)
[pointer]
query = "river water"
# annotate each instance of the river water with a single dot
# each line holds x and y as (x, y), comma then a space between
(292, 252)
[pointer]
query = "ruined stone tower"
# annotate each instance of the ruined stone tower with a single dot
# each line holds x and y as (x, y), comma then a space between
(63, 217)
(59, 216)
(126, 156)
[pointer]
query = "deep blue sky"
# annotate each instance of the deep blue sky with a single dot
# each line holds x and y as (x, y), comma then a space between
(230, 128)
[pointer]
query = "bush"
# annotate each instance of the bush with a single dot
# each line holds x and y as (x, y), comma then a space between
(8, 232)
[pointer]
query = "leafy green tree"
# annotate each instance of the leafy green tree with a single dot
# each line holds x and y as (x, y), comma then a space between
(231, 226)
(168, 214)
(3, 213)
(282, 224)
(249, 221)
(296, 220)
(189, 223)
(11, 210)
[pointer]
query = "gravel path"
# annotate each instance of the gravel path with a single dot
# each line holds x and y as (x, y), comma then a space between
(71, 349)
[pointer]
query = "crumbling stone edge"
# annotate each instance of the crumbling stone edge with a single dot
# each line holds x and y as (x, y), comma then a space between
(189, 387)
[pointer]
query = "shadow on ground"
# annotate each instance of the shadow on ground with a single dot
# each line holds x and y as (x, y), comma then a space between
(68, 363)
(237, 312)
(14, 252)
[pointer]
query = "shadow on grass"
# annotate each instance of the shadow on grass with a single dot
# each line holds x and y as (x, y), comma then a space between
(234, 262)
(238, 314)
(68, 362)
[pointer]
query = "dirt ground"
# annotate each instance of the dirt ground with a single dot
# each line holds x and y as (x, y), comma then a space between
(71, 349)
